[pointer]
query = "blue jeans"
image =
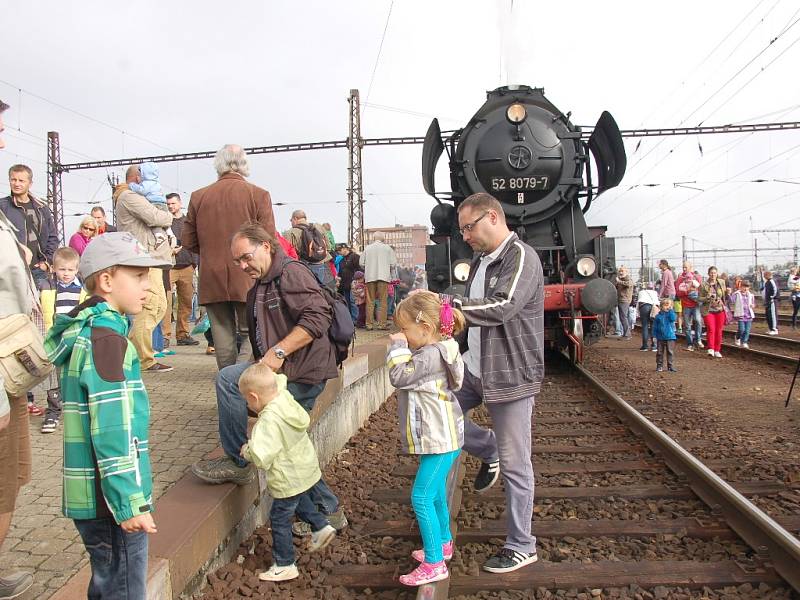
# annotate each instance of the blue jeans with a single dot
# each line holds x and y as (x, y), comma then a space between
(689, 315)
(644, 317)
(743, 331)
(232, 410)
(158, 338)
(323, 274)
(118, 559)
(280, 520)
(351, 304)
(429, 499)
(41, 279)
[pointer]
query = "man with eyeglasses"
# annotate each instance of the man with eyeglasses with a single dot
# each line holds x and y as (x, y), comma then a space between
(288, 319)
(33, 221)
(504, 308)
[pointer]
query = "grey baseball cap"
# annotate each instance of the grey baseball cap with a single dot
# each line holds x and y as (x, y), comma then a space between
(118, 248)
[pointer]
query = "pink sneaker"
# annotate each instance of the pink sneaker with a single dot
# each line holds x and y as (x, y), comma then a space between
(426, 573)
(447, 552)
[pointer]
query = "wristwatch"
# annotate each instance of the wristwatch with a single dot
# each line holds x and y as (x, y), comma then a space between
(279, 352)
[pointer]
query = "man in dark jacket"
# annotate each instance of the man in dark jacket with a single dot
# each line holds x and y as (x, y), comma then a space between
(347, 269)
(504, 309)
(33, 221)
(288, 321)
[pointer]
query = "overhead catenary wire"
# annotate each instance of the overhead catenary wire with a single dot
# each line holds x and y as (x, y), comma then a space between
(380, 51)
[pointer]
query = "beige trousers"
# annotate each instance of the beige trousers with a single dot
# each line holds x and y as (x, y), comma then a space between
(141, 334)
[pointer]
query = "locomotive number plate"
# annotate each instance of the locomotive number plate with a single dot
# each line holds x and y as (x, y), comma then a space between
(520, 183)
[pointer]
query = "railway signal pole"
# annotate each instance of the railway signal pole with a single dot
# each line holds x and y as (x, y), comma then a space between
(55, 197)
(355, 189)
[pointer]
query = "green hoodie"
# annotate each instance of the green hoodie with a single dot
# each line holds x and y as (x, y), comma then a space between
(280, 445)
(106, 414)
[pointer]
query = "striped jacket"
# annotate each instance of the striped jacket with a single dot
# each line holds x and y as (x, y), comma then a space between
(431, 421)
(106, 415)
(511, 318)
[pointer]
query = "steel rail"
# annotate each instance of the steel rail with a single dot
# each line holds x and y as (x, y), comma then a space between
(781, 358)
(755, 527)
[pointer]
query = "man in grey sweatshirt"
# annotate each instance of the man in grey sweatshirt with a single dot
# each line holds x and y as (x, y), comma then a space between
(504, 308)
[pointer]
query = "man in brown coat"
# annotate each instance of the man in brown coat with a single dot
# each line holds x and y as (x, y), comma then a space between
(215, 213)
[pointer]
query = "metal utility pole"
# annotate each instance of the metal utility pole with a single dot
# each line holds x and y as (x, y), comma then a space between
(355, 190)
(794, 231)
(55, 196)
(640, 237)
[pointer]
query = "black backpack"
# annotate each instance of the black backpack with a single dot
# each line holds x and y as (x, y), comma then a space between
(342, 329)
(313, 243)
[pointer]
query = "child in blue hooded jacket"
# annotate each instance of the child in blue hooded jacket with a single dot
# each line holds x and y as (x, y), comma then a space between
(664, 332)
(150, 188)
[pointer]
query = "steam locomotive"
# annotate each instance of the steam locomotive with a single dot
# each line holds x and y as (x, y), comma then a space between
(525, 152)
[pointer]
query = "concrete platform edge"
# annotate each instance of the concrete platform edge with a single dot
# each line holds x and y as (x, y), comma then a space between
(230, 514)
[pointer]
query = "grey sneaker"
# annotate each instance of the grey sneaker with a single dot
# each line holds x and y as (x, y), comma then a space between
(223, 470)
(321, 538)
(15, 584)
(337, 520)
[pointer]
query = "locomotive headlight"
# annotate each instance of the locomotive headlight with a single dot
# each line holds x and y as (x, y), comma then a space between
(516, 113)
(586, 266)
(461, 271)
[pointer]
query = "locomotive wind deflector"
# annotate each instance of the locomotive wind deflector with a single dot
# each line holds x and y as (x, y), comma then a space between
(608, 150)
(431, 151)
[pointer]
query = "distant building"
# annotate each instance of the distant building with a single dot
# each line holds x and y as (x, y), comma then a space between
(408, 242)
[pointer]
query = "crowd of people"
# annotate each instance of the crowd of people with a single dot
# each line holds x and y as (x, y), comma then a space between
(102, 305)
(694, 304)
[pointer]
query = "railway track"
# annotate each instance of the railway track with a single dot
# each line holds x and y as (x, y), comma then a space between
(774, 348)
(618, 505)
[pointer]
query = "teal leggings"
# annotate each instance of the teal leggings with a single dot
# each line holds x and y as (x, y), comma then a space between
(429, 500)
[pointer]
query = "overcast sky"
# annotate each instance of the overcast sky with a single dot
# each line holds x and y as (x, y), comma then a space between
(191, 76)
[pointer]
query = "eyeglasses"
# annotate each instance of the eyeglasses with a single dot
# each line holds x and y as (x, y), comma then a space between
(471, 226)
(246, 258)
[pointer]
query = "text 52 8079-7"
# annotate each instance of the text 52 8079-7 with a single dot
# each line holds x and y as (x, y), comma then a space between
(520, 183)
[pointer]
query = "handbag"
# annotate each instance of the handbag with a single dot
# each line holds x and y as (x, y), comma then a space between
(23, 361)
(728, 314)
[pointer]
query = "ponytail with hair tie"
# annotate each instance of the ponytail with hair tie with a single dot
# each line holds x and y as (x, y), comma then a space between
(446, 319)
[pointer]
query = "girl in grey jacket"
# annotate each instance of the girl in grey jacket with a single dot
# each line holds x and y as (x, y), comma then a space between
(426, 368)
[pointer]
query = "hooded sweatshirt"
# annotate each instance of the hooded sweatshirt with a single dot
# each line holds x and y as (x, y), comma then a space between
(106, 414)
(150, 187)
(431, 421)
(280, 446)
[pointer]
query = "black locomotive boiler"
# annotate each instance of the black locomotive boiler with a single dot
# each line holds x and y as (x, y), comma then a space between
(528, 154)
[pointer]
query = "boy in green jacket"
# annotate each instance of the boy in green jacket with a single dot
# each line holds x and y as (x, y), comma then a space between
(107, 487)
(279, 445)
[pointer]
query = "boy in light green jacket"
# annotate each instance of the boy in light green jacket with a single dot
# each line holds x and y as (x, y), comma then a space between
(279, 445)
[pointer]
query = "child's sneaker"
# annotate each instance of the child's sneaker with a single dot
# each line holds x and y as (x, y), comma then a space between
(746, 346)
(672, 370)
(276, 573)
(700, 344)
(738, 342)
(34, 410)
(659, 369)
(321, 538)
(447, 552)
(426, 573)
(49, 425)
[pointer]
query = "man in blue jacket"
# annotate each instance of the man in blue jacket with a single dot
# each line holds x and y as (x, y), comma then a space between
(33, 221)
(504, 308)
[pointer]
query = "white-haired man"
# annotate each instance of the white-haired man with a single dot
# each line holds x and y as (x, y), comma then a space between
(378, 260)
(215, 213)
